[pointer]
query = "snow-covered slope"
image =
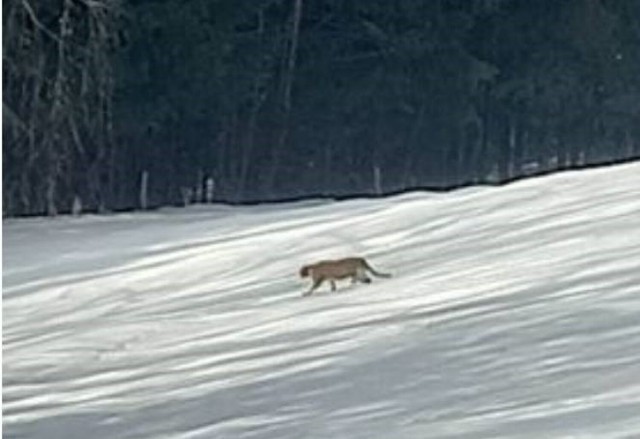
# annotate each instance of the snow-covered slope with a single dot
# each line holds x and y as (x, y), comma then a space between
(513, 312)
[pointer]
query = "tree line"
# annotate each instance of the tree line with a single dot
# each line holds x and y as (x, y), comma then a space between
(116, 104)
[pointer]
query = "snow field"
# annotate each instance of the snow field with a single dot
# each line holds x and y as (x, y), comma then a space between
(512, 312)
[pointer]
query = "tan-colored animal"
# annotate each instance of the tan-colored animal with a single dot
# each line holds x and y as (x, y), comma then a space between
(355, 268)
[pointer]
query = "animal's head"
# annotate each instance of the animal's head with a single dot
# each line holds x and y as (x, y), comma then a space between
(304, 271)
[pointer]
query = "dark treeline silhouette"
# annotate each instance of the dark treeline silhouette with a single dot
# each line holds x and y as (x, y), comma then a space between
(114, 104)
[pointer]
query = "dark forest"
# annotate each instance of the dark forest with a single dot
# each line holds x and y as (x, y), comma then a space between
(120, 104)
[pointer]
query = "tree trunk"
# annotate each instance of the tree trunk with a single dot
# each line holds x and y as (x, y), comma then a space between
(288, 77)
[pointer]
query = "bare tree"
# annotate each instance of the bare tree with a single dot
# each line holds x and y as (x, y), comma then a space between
(58, 87)
(287, 86)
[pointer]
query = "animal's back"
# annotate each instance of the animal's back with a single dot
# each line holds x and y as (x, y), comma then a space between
(339, 268)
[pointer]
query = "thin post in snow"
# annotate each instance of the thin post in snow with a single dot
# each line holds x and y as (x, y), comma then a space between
(144, 183)
(210, 189)
(377, 180)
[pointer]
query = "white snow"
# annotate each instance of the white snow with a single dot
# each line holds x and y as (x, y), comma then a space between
(514, 312)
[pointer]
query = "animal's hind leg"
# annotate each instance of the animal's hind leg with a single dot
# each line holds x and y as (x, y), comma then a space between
(333, 285)
(361, 276)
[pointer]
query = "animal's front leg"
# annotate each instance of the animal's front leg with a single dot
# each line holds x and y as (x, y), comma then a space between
(316, 284)
(333, 285)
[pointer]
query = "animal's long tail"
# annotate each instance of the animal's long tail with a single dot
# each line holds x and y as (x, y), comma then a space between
(374, 272)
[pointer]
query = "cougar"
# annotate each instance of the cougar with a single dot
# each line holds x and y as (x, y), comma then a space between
(355, 268)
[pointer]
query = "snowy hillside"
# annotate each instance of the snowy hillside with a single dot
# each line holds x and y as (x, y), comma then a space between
(513, 312)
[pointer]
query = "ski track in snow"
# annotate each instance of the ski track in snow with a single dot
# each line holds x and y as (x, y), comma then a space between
(513, 312)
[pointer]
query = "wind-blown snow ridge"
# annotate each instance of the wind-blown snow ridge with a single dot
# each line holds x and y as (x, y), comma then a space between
(513, 312)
